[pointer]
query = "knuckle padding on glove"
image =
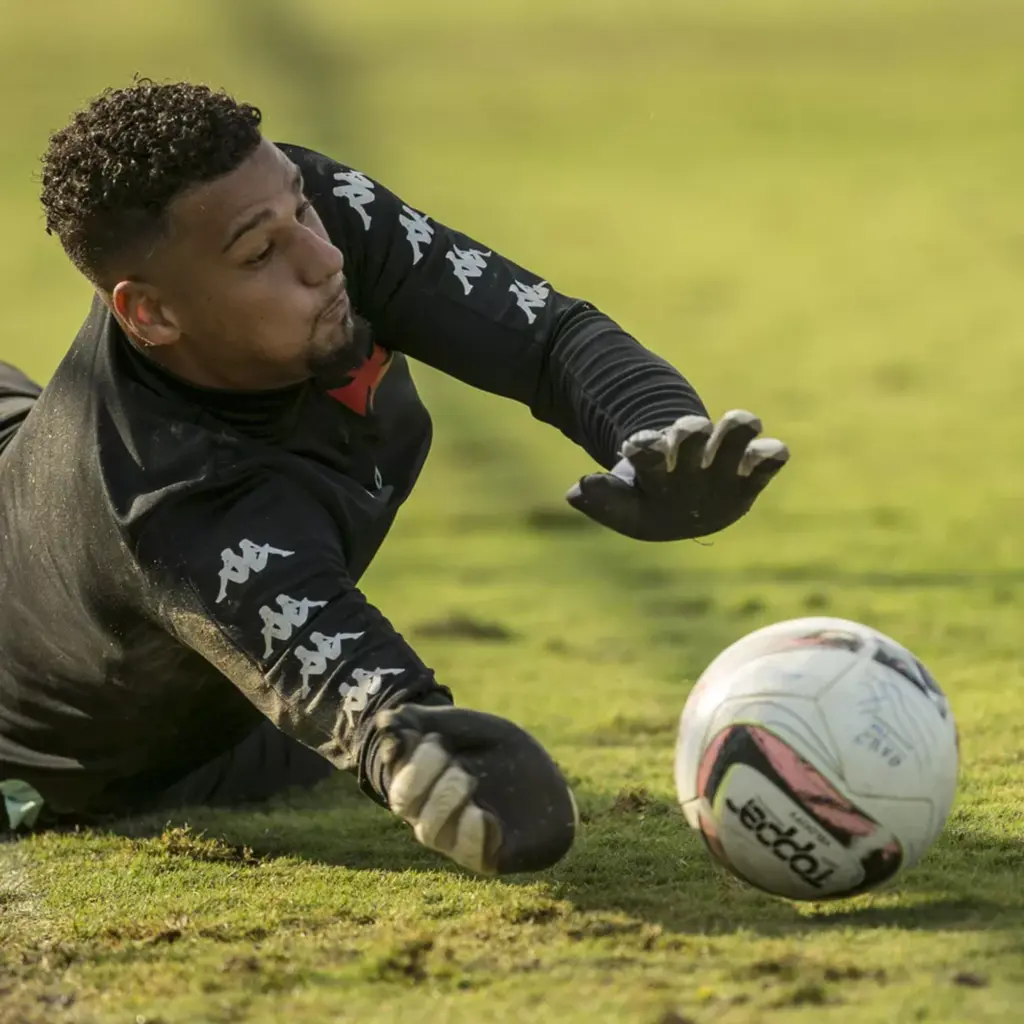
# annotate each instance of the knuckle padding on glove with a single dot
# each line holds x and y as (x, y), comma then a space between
(733, 432)
(472, 840)
(764, 449)
(517, 812)
(449, 794)
(414, 779)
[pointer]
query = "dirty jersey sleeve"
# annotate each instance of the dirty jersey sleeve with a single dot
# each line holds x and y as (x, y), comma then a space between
(252, 576)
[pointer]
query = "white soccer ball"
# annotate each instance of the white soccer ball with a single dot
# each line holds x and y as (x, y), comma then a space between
(817, 757)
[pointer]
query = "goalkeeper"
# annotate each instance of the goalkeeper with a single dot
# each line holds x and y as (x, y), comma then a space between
(187, 508)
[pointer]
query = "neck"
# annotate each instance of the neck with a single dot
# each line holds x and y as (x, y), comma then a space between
(265, 414)
(253, 376)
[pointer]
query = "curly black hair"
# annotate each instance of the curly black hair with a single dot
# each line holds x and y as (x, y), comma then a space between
(110, 174)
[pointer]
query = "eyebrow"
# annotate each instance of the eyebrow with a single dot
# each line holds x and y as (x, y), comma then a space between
(297, 185)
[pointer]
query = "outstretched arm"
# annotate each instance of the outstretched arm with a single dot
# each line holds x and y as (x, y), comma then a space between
(250, 572)
(457, 305)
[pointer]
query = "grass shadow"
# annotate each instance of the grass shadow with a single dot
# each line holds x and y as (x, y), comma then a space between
(333, 824)
(635, 858)
(639, 858)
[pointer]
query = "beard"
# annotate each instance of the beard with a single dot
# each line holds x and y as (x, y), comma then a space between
(333, 362)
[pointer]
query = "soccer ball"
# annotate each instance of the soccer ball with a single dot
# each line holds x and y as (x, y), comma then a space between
(817, 758)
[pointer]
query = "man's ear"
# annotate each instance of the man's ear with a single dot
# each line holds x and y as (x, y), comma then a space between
(142, 315)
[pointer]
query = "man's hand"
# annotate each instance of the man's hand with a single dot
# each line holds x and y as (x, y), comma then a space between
(476, 788)
(688, 480)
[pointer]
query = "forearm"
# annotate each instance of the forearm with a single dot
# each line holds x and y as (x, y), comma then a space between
(598, 385)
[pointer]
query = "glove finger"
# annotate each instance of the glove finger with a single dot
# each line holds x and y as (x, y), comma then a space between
(477, 841)
(640, 451)
(763, 458)
(413, 781)
(665, 449)
(729, 440)
(449, 794)
(607, 500)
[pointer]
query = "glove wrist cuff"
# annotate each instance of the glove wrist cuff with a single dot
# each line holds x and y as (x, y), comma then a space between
(371, 771)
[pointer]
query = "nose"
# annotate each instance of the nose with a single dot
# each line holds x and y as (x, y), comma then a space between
(321, 260)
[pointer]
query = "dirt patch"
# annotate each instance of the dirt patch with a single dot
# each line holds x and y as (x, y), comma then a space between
(632, 801)
(242, 965)
(539, 912)
(464, 627)
(784, 970)
(968, 979)
(182, 841)
(671, 1017)
(752, 606)
(689, 607)
(637, 800)
(854, 973)
(810, 993)
(604, 929)
(405, 962)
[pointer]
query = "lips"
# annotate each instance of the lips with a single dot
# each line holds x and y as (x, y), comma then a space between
(336, 308)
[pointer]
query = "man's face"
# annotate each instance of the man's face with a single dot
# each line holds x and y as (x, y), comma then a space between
(246, 290)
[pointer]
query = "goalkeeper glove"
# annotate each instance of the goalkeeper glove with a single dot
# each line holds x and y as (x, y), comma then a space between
(688, 480)
(476, 788)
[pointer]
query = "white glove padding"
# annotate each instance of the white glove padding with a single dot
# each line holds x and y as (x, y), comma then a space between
(476, 788)
(434, 795)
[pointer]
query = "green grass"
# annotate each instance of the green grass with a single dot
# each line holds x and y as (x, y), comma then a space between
(815, 211)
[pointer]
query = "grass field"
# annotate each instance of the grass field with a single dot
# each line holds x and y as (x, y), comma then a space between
(815, 210)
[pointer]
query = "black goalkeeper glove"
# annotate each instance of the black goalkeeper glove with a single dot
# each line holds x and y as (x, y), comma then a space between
(476, 788)
(688, 480)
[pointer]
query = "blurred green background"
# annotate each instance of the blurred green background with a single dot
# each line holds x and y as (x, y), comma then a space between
(815, 209)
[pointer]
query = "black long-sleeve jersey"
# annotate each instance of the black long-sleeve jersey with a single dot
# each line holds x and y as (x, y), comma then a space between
(176, 562)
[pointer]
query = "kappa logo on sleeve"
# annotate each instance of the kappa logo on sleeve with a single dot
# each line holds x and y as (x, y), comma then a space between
(365, 684)
(467, 264)
(279, 625)
(418, 230)
(530, 297)
(358, 189)
(252, 558)
(326, 649)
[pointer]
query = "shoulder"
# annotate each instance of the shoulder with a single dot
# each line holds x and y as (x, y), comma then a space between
(317, 168)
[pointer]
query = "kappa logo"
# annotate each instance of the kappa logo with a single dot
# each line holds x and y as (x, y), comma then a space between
(358, 189)
(279, 625)
(238, 568)
(326, 649)
(365, 684)
(418, 230)
(467, 263)
(530, 297)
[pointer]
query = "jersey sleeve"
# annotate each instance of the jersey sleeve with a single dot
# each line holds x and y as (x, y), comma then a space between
(454, 303)
(252, 576)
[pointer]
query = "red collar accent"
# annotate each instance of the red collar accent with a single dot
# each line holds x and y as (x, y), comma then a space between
(358, 393)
